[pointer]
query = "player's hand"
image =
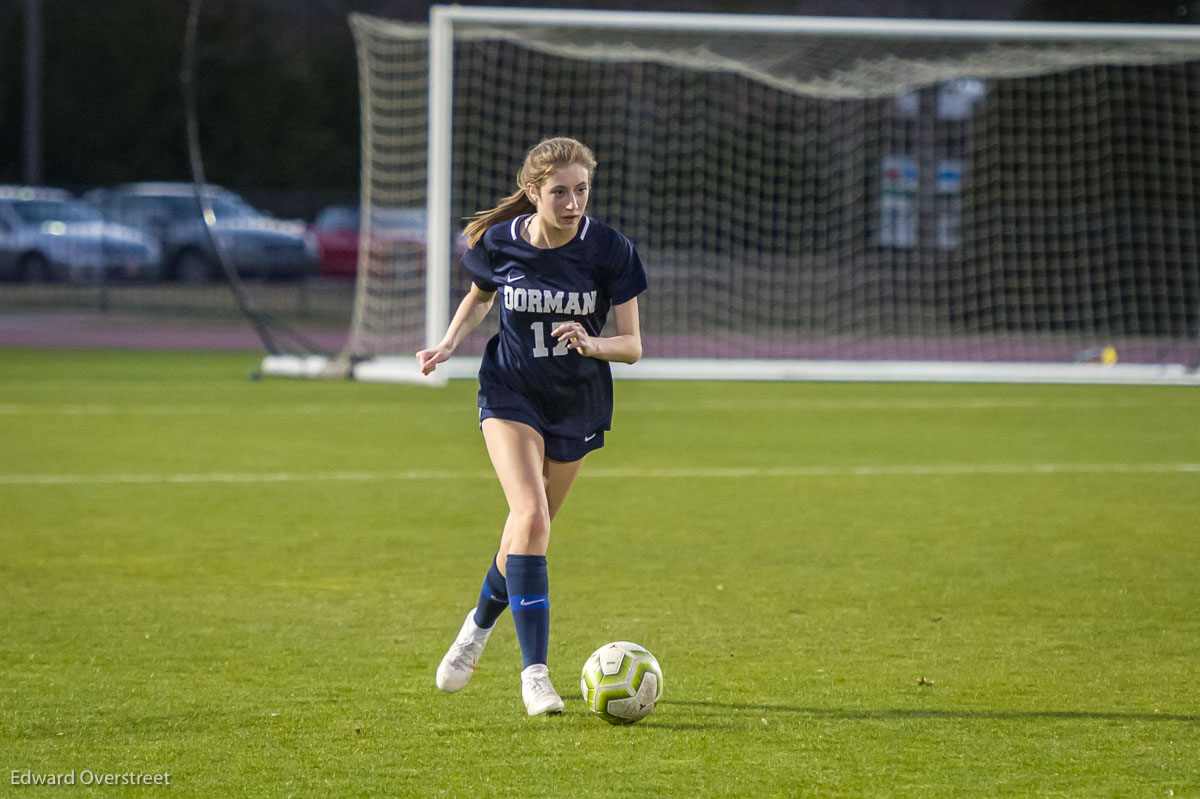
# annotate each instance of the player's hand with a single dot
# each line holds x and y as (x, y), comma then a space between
(577, 338)
(428, 360)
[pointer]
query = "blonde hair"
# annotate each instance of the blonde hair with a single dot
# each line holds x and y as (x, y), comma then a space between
(542, 160)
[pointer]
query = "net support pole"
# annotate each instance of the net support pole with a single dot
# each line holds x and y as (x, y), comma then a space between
(437, 243)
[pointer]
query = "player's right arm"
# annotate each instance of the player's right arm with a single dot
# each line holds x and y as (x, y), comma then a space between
(471, 311)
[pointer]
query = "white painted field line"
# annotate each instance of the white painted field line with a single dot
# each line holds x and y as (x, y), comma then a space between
(629, 406)
(948, 470)
(184, 409)
(731, 472)
(851, 405)
(236, 477)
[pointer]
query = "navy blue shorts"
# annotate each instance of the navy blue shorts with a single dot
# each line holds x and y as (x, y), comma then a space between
(558, 448)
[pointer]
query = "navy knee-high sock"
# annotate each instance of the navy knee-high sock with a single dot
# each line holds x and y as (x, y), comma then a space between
(529, 597)
(493, 597)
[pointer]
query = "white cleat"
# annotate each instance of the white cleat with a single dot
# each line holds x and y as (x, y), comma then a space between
(538, 693)
(458, 665)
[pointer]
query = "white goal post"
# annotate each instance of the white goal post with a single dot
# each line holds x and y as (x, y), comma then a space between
(814, 198)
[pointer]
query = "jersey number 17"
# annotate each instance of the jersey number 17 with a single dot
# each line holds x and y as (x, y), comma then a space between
(541, 331)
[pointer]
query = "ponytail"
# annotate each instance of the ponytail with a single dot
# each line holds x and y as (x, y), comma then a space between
(510, 207)
(540, 162)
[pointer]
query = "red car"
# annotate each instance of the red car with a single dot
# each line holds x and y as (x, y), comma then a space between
(398, 236)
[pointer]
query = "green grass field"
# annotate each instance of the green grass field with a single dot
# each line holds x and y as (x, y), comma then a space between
(248, 585)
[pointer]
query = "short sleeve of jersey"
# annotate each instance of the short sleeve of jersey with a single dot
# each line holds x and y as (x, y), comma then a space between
(478, 263)
(627, 276)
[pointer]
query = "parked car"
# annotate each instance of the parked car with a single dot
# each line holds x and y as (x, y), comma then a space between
(259, 245)
(49, 235)
(397, 236)
(336, 229)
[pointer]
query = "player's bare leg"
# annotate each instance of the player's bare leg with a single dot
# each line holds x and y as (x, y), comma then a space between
(557, 478)
(518, 453)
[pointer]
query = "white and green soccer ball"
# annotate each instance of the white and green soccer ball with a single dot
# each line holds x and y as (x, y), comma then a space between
(621, 682)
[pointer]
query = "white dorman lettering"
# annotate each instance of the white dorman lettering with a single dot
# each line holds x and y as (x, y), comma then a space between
(574, 303)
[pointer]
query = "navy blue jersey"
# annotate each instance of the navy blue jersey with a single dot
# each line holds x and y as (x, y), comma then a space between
(538, 289)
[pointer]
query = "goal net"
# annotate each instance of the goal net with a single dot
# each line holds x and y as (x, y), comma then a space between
(812, 197)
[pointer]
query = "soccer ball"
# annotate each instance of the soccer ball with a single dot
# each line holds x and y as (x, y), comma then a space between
(621, 682)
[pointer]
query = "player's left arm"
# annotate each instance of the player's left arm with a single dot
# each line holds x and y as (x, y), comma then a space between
(625, 346)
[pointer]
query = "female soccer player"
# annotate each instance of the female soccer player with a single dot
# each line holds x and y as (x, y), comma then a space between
(545, 389)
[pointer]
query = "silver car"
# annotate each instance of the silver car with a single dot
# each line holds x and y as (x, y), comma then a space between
(259, 245)
(48, 235)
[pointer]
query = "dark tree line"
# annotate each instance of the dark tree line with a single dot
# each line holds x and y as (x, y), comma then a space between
(278, 92)
(277, 95)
